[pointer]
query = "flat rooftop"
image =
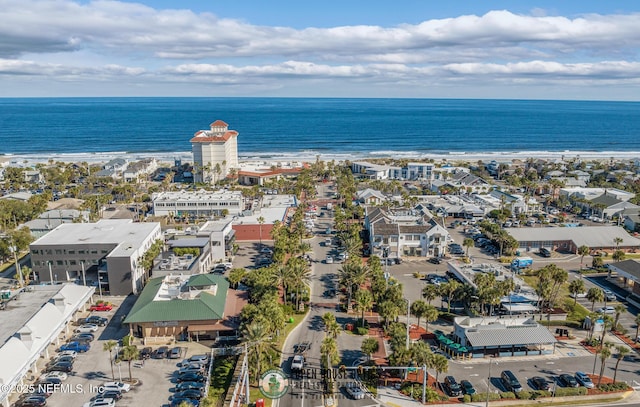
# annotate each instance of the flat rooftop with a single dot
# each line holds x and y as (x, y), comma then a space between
(590, 236)
(197, 196)
(22, 307)
(274, 208)
(105, 231)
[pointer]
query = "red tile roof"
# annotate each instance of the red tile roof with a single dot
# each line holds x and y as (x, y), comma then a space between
(219, 123)
(202, 137)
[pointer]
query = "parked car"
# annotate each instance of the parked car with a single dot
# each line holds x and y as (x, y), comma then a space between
(54, 375)
(145, 353)
(606, 310)
(101, 307)
(70, 353)
(544, 252)
(76, 347)
(202, 358)
(60, 367)
(195, 394)
(189, 386)
(96, 320)
(87, 328)
(82, 338)
(329, 260)
(539, 383)
(467, 387)
(219, 269)
(58, 359)
(511, 381)
(110, 394)
(31, 401)
(609, 295)
(160, 353)
(100, 403)
(49, 383)
(566, 380)
(584, 380)
(175, 353)
(191, 369)
(116, 386)
(190, 377)
(435, 260)
(452, 386)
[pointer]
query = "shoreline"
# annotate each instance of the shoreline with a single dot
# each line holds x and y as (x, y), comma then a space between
(310, 156)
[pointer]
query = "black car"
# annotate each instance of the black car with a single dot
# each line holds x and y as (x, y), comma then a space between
(511, 381)
(160, 353)
(59, 359)
(60, 367)
(539, 383)
(145, 353)
(435, 260)
(32, 401)
(190, 377)
(189, 386)
(96, 320)
(194, 394)
(467, 387)
(111, 394)
(452, 386)
(82, 338)
(568, 380)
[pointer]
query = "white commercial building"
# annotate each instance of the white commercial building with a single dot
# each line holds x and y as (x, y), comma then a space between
(113, 248)
(31, 322)
(215, 152)
(197, 203)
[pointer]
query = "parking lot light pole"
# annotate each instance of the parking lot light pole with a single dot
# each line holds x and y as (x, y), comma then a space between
(488, 382)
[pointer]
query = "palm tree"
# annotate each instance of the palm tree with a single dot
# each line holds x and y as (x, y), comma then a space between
(594, 295)
(430, 292)
(260, 223)
(619, 310)
(109, 346)
(364, 301)
(618, 255)
(440, 364)
(329, 351)
(370, 346)
(130, 353)
(605, 353)
(419, 309)
(622, 352)
(617, 241)
(388, 310)
(583, 251)
(449, 288)
(576, 287)
(256, 336)
(236, 276)
(468, 242)
(282, 275)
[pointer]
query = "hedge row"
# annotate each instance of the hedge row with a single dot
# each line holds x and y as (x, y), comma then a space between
(613, 386)
(570, 391)
(483, 397)
(532, 395)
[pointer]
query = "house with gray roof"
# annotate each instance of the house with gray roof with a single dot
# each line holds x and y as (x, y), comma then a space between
(178, 307)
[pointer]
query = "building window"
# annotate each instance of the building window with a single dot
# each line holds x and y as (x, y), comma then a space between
(59, 263)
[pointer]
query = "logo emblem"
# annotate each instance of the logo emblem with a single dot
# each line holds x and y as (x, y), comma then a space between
(274, 384)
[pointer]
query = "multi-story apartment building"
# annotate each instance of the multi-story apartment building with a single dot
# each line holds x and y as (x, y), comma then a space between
(215, 152)
(197, 203)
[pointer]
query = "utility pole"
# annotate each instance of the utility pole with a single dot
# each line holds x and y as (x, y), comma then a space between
(84, 278)
(424, 384)
(14, 249)
(50, 273)
(408, 313)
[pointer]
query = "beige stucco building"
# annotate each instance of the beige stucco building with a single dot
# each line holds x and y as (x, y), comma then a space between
(212, 149)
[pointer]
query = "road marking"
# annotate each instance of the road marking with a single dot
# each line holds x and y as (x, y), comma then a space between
(551, 363)
(474, 375)
(468, 367)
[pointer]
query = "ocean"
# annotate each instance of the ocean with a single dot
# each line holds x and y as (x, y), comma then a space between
(74, 129)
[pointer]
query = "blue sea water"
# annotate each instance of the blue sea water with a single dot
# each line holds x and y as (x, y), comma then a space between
(274, 127)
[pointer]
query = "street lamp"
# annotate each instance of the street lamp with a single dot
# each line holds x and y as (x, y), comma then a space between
(14, 250)
(84, 278)
(50, 273)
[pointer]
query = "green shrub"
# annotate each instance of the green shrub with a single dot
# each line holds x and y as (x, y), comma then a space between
(568, 324)
(570, 391)
(483, 397)
(466, 398)
(523, 395)
(620, 386)
(507, 395)
(536, 394)
(447, 316)
(361, 331)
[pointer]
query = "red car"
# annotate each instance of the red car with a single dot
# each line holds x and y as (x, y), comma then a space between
(101, 307)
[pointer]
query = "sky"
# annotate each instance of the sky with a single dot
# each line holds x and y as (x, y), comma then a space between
(577, 50)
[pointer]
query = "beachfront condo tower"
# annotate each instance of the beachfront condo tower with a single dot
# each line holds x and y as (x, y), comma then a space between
(215, 152)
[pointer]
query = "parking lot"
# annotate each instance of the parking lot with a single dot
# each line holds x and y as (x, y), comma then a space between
(153, 378)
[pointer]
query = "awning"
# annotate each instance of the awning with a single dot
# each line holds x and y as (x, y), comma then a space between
(520, 307)
(220, 326)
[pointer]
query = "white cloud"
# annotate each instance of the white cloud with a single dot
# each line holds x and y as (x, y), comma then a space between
(47, 39)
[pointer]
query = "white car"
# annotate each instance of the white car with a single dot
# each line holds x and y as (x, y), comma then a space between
(355, 392)
(71, 353)
(100, 403)
(329, 260)
(54, 375)
(87, 328)
(117, 386)
(606, 310)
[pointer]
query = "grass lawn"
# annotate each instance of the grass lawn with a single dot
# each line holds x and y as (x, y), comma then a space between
(297, 319)
(254, 394)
